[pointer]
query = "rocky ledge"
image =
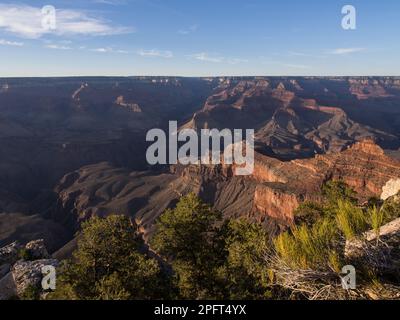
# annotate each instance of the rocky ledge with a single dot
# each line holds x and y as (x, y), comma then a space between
(21, 268)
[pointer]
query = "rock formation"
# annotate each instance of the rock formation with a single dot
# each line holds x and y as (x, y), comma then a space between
(283, 185)
(134, 107)
(391, 188)
(21, 268)
(300, 117)
(75, 147)
(28, 274)
(379, 249)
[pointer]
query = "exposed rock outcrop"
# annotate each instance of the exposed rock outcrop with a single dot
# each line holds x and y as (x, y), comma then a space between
(391, 188)
(380, 249)
(17, 274)
(9, 253)
(29, 274)
(37, 250)
(283, 185)
(134, 107)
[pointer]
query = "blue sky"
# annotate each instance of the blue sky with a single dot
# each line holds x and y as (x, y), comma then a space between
(199, 38)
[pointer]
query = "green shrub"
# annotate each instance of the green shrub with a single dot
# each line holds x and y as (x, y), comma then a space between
(309, 247)
(336, 190)
(25, 254)
(391, 210)
(31, 293)
(309, 212)
(244, 272)
(350, 219)
(212, 259)
(376, 217)
(109, 264)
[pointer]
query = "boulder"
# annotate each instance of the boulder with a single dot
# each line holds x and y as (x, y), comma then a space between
(29, 273)
(37, 250)
(390, 232)
(391, 188)
(9, 254)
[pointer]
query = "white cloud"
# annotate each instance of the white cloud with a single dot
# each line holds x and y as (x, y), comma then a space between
(26, 21)
(296, 66)
(237, 61)
(344, 51)
(303, 54)
(108, 50)
(204, 56)
(57, 47)
(10, 43)
(155, 53)
(189, 30)
(102, 50)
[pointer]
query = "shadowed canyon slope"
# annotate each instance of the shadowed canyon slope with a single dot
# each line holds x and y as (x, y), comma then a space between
(74, 147)
(270, 195)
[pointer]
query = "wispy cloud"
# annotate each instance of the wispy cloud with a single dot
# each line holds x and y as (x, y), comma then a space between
(108, 50)
(236, 60)
(285, 64)
(296, 66)
(10, 43)
(203, 56)
(344, 51)
(26, 21)
(57, 47)
(189, 30)
(206, 57)
(155, 53)
(304, 54)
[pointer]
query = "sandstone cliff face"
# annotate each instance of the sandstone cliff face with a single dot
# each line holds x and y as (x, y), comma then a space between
(283, 185)
(275, 201)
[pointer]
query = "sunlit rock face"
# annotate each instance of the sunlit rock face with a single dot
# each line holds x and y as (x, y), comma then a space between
(391, 188)
(282, 186)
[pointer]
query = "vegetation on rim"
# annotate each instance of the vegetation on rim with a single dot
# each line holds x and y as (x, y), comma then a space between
(200, 255)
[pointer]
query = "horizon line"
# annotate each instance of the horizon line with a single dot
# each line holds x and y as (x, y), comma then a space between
(196, 76)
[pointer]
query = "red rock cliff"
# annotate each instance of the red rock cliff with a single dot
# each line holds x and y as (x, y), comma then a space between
(282, 186)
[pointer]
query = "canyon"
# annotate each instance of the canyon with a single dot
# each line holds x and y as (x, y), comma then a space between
(75, 147)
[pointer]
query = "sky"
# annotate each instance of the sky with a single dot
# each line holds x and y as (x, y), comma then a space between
(198, 38)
